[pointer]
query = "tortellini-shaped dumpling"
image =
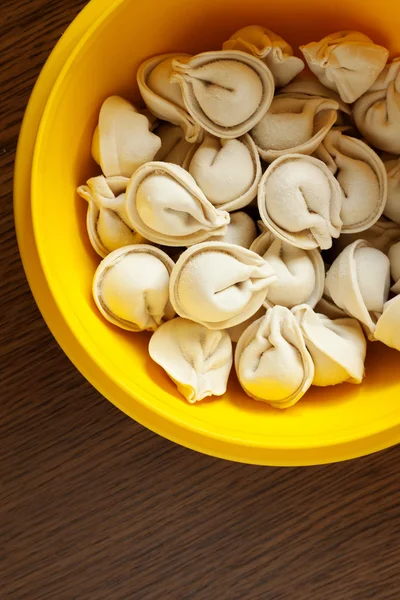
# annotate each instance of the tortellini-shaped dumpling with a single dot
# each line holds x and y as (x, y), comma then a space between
(272, 362)
(347, 62)
(219, 285)
(196, 359)
(228, 171)
(227, 93)
(294, 125)
(362, 177)
(163, 96)
(165, 205)
(123, 141)
(174, 146)
(240, 231)
(300, 201)
(301, 275)
(392, 208)
(388, 326)
(107, 222)
(381, 236)
(394, 257)
(130, 287)
(337, 347)
(359, 281)
(270, 48)
(377, 112)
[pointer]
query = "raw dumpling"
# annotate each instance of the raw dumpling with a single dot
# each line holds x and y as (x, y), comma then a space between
(240, 231)
(381, 236)
(377, 112)
(272, 362)
(347, 62)
(301, 275)
(294, 125)
(300, 201)
(130, 288)
(227, 93)
(392, 208)
(394, 257)
(123, 141)
(337, 347)
(388, 326)
(228, 171)
(263, 241)
(270, 48)
(358, 282)
(164, 201)
(174, 147)
(107, 222)
(362, 178)
(197, 360)
(236, 331)
(219, 285)
(163, 96)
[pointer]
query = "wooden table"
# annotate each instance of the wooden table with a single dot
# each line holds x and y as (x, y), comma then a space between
(95, 507)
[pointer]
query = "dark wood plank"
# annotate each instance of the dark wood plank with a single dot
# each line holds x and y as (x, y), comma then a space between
(95, 507)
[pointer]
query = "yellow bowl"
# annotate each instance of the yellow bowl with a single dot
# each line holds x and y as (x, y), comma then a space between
(328, 424)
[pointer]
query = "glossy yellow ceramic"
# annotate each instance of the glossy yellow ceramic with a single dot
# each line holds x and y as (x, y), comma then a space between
(113, 38)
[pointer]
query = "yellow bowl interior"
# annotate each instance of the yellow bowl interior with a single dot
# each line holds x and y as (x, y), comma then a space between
(104, 62)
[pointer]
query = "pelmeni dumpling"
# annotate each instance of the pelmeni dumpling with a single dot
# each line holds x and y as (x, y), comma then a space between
(270, 48)
(347, 62)
(236, 331)
(359, 282)
(293, 125)
(131, 286)
(272, 362)
(300, 201)
(388, 326)
(240, 231)
(219, 285)
(228, 171)
(377, 112)
(362, 178)
(163, 96)
(394, 257)
(107, 222)
(123, 141)
(164, 201)
(226, 92)
(392, 208)
(383, 234)
(301, 275)
(196, 359)
(174, 146)
(337, 347)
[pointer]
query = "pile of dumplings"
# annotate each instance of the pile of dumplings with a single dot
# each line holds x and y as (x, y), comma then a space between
(250, 213)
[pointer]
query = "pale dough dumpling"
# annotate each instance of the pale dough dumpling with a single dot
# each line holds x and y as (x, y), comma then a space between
(123, 141)
(163, 97)
(107, 221)
(294, 125)
(337, 347)
(270, 48)
(240, 231)
(228, 171)
(377, 112)
(362, 178)
(300, 201)
(394, 257)
(196, 359)
(383, 234)
(388, 326)
(131, 288)
(272, 362)
(359, 281)
(219, 285)
(174, 146)
(227, 93)
(347, 62)
(392, 208)
(164, 201)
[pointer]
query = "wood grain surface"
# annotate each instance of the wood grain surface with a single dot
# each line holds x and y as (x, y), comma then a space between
(94, 507)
